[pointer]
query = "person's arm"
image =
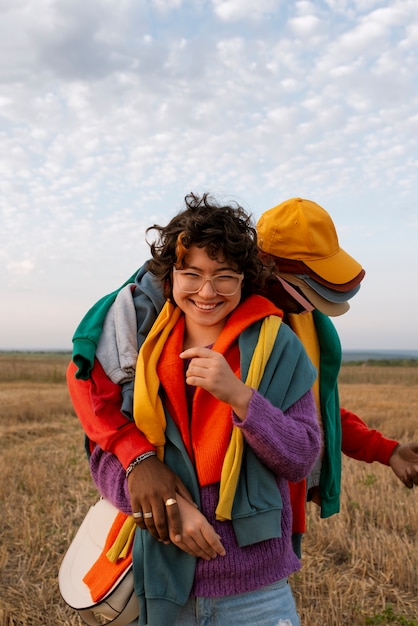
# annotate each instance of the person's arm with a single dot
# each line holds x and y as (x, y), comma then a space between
(97, 403)
(288, 442)
(109, 476)
(364, 444)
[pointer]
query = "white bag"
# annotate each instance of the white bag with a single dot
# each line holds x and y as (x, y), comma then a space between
(120, 605)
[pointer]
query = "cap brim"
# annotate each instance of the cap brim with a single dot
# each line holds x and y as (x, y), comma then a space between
(290, 266)
(335, 286)
(332, 309)
(326, 292)
(339, 268)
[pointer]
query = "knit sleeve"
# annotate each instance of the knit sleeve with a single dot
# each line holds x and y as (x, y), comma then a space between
(287, 442)
(110, 479)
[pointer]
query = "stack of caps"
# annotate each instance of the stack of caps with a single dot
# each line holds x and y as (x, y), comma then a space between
(301, 237)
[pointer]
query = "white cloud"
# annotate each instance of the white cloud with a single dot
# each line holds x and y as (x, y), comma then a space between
(167, 5)
(111, 113)
(21, 268)
(306, 26)
(234, 10)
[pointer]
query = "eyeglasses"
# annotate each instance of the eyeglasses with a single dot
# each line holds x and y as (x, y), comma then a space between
(222, 284)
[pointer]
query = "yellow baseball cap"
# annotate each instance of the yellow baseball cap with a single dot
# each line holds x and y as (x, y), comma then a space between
(301, 230)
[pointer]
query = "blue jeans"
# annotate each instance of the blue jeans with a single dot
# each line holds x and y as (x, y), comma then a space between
(273, 605)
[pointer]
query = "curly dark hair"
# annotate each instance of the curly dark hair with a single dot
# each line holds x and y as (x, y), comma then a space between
(225, 231)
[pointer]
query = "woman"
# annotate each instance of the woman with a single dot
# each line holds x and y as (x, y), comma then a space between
(234, 444)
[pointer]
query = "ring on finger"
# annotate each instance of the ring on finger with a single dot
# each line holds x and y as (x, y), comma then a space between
(148, 515)
(170, 502)
(137, 515)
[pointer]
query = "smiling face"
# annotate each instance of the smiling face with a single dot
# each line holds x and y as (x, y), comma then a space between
(205, 311)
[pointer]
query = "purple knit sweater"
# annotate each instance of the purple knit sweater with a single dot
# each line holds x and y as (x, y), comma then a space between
(288, 443)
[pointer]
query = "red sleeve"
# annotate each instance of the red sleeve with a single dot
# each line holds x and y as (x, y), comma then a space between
(362, 443)
(97, 403)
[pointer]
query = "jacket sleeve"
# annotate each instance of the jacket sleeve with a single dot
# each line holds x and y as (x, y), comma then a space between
(362, 443)
(97, 403)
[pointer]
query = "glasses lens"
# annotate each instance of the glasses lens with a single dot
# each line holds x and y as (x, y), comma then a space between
(225, 285)
(189, 282)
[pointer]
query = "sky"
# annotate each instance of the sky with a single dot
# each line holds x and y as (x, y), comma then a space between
(111, 112)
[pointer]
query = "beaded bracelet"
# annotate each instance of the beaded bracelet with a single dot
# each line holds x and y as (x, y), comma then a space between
(139, 460)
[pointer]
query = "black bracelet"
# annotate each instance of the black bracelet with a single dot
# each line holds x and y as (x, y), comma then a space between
(139, 460)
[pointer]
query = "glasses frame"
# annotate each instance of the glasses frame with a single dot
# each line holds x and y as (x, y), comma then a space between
(240, 277)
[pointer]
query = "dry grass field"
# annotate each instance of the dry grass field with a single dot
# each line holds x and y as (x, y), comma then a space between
(359, 567)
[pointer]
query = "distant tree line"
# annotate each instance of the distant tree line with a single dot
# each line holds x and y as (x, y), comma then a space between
(384, 362)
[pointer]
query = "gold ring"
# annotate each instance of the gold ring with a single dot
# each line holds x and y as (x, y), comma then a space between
(147, 515)
(170, 501)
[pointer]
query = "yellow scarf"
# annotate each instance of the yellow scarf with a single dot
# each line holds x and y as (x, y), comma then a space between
(303, 326)
(232, 462)
(148, 408)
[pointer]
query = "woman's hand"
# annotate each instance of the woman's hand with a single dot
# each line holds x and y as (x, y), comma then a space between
(199, 538)
(209, 369)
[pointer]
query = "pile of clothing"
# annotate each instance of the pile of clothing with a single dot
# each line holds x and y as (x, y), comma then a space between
(310, 264)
